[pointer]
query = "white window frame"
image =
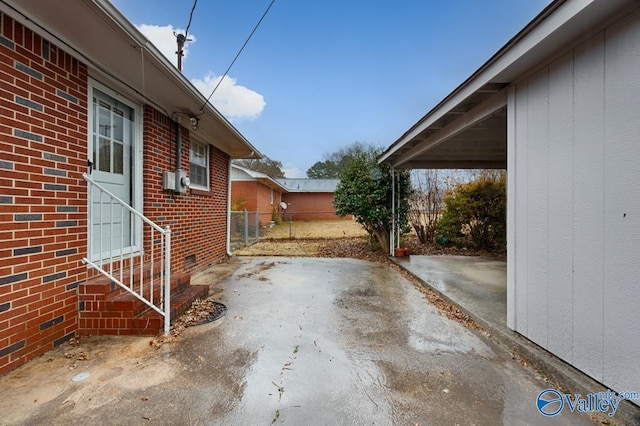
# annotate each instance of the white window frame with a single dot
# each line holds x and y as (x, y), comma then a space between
(206, 165)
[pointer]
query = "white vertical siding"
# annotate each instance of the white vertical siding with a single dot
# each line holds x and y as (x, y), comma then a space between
(511, 216)
(575, 177)
(622, 204)
(537, 194)
(521, 209)
(560, 218)
(588, 207)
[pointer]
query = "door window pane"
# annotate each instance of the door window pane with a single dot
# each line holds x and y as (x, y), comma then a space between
(104, 155)
(118, 158)
(118, 125)
(113, 127)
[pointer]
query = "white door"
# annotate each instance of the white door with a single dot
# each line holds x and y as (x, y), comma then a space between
(112, 153)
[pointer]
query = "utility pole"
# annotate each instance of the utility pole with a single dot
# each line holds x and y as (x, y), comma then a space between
(181, 39)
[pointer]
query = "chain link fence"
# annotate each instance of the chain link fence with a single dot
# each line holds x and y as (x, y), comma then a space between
(244, 229)
(249, 227)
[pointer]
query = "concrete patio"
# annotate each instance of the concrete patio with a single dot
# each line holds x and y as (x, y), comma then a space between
(305, 341)
(478, 286)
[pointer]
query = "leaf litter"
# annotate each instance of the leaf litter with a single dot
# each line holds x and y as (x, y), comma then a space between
(200, 312)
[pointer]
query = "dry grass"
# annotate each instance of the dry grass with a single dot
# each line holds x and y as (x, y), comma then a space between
(316, 229)
(305, 248)
(308, 238)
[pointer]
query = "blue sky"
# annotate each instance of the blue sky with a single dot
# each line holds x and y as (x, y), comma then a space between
(319, 75)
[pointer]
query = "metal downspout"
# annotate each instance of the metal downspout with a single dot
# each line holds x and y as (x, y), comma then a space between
(229, 253)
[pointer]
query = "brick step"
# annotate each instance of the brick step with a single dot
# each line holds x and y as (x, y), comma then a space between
(130, 305)
(124, 302)
(102, 287)
(151, 323)
(106, 308)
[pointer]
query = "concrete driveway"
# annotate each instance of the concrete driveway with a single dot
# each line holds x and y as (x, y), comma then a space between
(304, 342)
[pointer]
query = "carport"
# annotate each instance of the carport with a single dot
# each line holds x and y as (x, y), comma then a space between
(557, 108)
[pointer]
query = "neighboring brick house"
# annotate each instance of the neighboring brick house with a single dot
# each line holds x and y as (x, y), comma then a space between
(310, 199)
(80, 85)
(255, 191)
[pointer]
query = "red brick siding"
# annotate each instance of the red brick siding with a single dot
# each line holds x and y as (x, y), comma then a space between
(258, 197)
(264, 199)
(245, 190)
(198, 219)
(277, 199)
(310, 205)
(43, 205)
(43, 202)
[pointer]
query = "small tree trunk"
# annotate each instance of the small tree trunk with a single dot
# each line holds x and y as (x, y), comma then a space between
(382, 236)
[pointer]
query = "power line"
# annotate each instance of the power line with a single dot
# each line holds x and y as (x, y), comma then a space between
(186, 32)
(181, 39)
(238, 54)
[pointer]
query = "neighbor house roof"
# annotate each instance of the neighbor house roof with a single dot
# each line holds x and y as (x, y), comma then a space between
(240, 173)
(309, 185)
(121, 57)
(468, 128)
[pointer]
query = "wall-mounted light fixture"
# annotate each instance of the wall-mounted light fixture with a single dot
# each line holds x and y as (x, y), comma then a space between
(194, 121)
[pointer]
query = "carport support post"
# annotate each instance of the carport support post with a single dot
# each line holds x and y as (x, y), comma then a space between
(392, 234)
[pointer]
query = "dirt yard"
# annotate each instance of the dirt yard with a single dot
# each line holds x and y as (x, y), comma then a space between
(316, 229)
(308, 238)
(338, 238)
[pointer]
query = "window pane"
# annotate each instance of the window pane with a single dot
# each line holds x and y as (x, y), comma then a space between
(104, 155)
(118, 125)
(104, 119)
(199, 164)
(95, 152)
(197, 155)
(95, 115)
(118, 158)
(198, 175)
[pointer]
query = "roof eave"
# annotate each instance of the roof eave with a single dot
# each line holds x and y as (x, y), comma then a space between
(119, 55)
(558, 25)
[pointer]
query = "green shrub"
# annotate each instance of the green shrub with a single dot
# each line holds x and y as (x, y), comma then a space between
(475, 215)
(365, 191)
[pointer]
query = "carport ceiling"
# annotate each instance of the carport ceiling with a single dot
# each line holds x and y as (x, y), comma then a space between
(471, 135)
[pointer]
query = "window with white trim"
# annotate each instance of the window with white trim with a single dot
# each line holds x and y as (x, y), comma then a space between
(199, 165)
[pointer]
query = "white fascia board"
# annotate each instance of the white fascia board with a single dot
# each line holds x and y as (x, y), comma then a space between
(470, 118)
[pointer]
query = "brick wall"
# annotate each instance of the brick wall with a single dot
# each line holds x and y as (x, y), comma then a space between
(43, 202)
(247, 190)
(264, 199)
(43, 206)
(310, 206)
(258, 197)
(198, 219)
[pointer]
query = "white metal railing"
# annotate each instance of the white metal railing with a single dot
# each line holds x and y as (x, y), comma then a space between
(117, 256)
